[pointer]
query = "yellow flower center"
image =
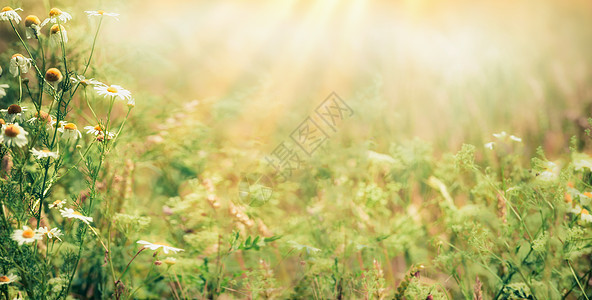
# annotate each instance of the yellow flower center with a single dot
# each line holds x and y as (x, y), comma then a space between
(28, 233)
(55, 29)
(7, 8)
(11, 131)
(18, 55)
(54, 12)
(585, 212)
(112, 90)
(98, 128)
(162, 244)
(45, 151)
(53, 75)
(70, 126)
(100, 12)
(14, 109)
(568, 198)
(32, 19)
(588, 194)
(2, 122)
(4, 278)
(77, 213)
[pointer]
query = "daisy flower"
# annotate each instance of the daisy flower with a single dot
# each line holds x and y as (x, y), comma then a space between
(489, 145)
(550, 173)
(69, 132)
(57, 204)
(113, 91)
(9, 14)
(55, 15)
(13, 135)
(7, 279)
(170, 261)
(26, 235)
(53, 76)
(53, 233)
(39, 154)
(155, 246)
(32, 26)
(19, 65)
(96, 130)
(131, 103)
(14, 111)
(72, 214)
(100, 13)
(55, 34)
(3, 88)
(585, 216)
(45, 118)
(79, 79)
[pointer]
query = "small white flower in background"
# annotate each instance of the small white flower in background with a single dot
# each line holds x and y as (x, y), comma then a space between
(13, 135)
(585, 216)
(131, 103)
(58, 204)
(504, 136)
(575, 210)
(55, 35)
(3, 88)
(53, 233)
(69, 132)
(26, 235)
(489, 145)
(79, 79)
(9, 14)
(7, 279)
(113, 91)
(72, 214)
(39, 154)
(13, 112)
(581, 161)
(32, 26)
(96, 130)
(19, 65)
(155, 246)
(100, 13)
(55, 15)
(550, 173)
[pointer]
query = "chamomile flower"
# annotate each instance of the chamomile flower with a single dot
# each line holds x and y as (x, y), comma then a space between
(96, 130)
(9, 14)
(57, 33)
(3, 88)
(13, 135)
(72, 214)
(69, 132)
(113, 91)
(39, 154)
(489, 145)
(53, 233)
(55, 15)
(170, 261)
(26, 235)
(100, 13)
(13, 112)
(79, 79)
(57, 204)
(550, 173)
(585, 216)
(53, 76)
(131, 103)
(45, 118)
(8, 279)
(19, 65)
(32, 26)
(155, 246)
